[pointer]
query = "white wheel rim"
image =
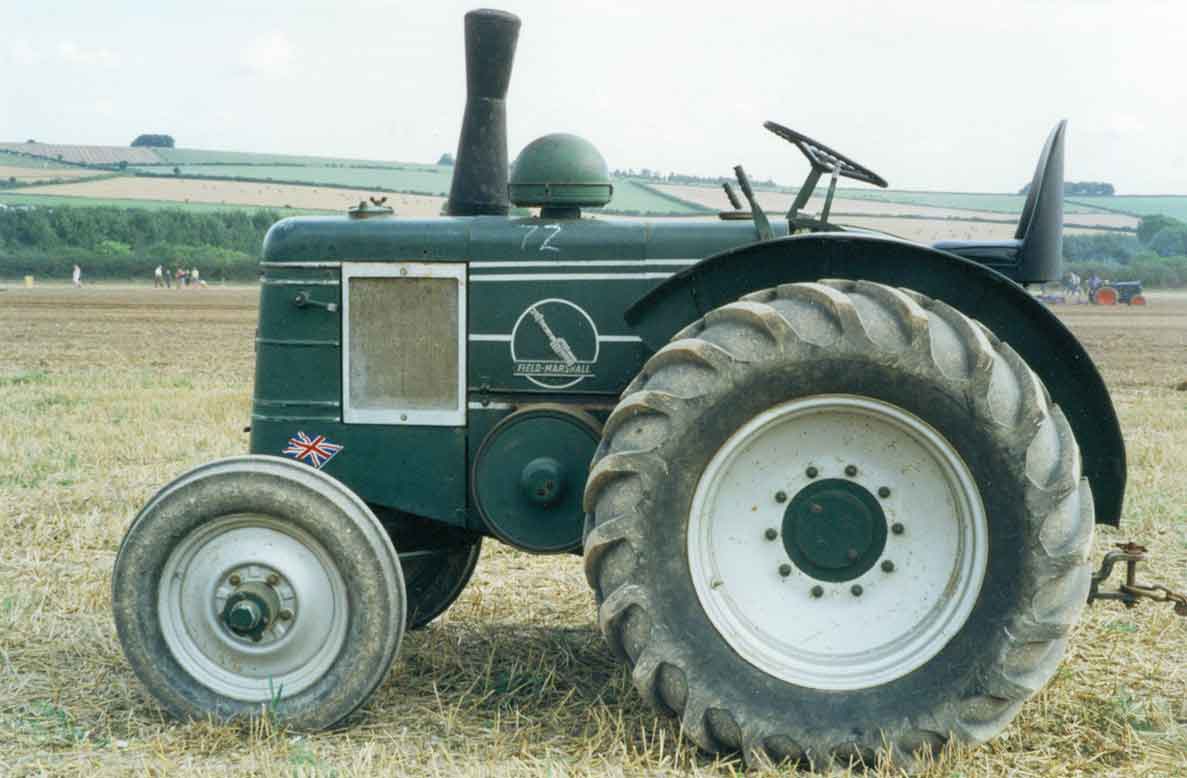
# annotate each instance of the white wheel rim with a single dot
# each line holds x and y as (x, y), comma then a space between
(293, 652)
(838, 640)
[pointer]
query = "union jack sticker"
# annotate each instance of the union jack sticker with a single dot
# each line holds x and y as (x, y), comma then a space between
(315, 451)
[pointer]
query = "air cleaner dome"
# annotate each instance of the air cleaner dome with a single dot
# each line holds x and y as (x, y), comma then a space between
(560, 171)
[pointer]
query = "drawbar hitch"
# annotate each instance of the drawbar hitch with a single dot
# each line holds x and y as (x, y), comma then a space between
(1130, 592)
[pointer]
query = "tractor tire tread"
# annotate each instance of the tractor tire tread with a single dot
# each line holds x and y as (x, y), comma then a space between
(865, 320)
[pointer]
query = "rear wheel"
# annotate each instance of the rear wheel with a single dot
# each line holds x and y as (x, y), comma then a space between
(833, 520)
(254, 583)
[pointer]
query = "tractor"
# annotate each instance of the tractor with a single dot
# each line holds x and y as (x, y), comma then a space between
(835, 491)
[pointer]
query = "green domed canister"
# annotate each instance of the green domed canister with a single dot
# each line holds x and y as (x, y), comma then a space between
(560, 171)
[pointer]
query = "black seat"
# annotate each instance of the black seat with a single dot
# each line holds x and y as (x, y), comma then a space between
(1035, 253)
(988, 252)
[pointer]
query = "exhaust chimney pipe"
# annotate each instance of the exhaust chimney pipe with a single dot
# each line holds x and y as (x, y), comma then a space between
(480, 168)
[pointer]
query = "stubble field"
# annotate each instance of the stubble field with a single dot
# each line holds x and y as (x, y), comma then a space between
(107, 393)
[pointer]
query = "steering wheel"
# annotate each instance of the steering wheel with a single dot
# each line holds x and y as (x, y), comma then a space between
(823, 159)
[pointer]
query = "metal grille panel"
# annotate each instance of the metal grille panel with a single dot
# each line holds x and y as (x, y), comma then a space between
(404, 344)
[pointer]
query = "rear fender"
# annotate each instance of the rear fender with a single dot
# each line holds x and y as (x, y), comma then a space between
(1027, 325)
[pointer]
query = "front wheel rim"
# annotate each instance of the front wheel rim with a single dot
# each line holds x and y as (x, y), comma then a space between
(280, 567)
(896, 610)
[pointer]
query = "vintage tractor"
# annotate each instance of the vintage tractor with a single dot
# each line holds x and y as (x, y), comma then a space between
(835, 491)
(1114, 292)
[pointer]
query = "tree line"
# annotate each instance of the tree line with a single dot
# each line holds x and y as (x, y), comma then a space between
(128, 243)
(1156, 255)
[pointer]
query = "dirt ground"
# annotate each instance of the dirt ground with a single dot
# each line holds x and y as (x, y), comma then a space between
(106, 393)
(238, 193)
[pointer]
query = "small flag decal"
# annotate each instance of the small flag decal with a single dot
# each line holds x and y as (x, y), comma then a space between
(315, 451)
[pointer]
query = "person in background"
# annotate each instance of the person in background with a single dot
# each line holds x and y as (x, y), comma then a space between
(182, 277)
(76, 277)
(194, 278)
(168, 277)
(158, 277)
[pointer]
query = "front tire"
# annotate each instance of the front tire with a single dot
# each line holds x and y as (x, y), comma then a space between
(763, 470)
(255, 583)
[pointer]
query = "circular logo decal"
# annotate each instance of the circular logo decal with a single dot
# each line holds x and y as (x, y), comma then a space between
(554, 344)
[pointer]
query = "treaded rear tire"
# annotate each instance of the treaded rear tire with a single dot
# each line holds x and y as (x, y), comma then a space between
(858, 338)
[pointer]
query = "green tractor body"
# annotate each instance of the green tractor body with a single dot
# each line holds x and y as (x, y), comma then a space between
(576, 384)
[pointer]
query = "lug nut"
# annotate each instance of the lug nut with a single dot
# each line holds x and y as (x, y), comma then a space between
(770, 534)
(816, 507)
(883, 492)
(817, 591)
(850, 470)
(273, 579)
(851, 554)
(855, 590)
(285, 614)
(780, 496)
(887, 566)
(897, 528)
(784, 569)
(234, 580)
(812, 472)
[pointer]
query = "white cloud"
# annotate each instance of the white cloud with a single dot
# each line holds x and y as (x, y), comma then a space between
(21, 53)
(1125, 124)
(71, 52)
(271, 54)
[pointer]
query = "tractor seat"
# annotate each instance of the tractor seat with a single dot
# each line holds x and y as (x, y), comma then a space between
(992, 252)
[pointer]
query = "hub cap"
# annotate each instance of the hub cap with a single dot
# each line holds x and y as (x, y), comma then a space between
(884, 542)
(834, 530)
(252, 607)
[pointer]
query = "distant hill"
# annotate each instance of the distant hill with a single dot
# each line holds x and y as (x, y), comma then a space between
(203, 178)
(255, 179)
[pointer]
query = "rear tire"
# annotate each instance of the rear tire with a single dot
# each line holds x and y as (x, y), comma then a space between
(740, 678)
(256, 584)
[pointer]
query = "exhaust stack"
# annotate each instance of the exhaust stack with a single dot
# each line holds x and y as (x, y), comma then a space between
(480, 168)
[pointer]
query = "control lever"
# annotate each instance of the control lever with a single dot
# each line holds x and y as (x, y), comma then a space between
(735, 203)
(761, 224)
(302, 300)
(828, 198)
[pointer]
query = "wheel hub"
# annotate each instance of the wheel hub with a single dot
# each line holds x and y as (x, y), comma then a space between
(251, 603)
(884, 524)
(253, 608)
(834, 530)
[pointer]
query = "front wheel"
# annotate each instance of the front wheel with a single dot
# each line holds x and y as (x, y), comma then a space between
(836, 520)
(255, 583)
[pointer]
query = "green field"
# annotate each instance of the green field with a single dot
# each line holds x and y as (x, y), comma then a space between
(433, 179)
(10, 159)
(1001, 203)
(48, 201)
(427, 180)
(1134, 205)
(629, 196)
(1139, 205)
(208, 157)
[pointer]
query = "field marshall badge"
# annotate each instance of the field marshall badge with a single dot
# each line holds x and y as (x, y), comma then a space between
(554, 344)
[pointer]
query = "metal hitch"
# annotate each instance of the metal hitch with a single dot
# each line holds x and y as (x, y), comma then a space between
(1130, 592)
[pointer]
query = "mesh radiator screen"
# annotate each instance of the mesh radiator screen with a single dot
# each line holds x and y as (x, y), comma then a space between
(403, 343)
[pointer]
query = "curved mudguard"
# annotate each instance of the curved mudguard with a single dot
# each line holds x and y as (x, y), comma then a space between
(975, 290)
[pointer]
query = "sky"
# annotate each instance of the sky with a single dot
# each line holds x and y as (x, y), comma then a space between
(931, 94)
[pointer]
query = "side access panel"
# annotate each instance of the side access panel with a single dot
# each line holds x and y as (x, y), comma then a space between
(1027, 325)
